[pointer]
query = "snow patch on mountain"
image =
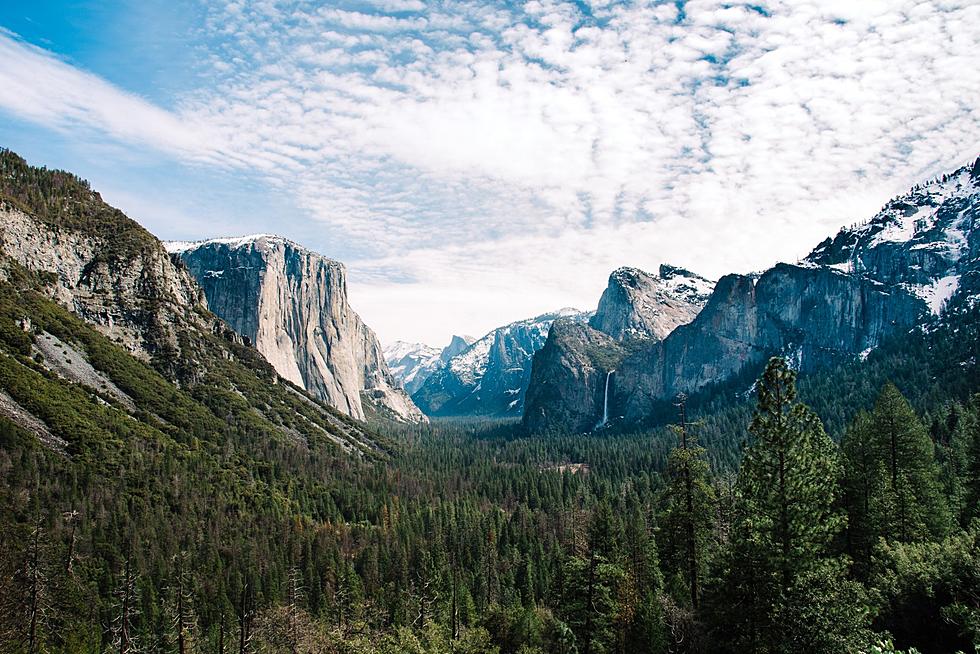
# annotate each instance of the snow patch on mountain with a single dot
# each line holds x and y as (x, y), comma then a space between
(938, 294)
(490, 376)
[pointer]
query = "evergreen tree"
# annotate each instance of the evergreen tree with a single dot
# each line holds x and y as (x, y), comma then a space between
(862, 491)
(788, 479)
(786, 519)
(687, 517)
(902, 481)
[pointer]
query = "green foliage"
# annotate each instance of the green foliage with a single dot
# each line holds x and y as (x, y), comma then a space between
(788, 480)
(66, 202)
(460, 537)
(779, 566)
(929, 592)
(892, 487)
(687, 517)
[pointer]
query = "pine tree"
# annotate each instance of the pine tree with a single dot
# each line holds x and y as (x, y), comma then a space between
(911, 503)
(788, 479)
(785, 521)
(862, 491)
(971, 473)
(688, 510)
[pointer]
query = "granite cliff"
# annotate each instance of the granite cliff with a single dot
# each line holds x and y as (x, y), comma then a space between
(292, 304)
(903, 268)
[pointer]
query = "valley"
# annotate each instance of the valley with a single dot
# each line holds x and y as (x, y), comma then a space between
(204, 448)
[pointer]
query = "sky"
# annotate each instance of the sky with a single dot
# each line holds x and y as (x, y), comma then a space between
(476, 163)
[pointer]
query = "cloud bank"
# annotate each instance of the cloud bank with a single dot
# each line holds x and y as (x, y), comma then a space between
(478, 163)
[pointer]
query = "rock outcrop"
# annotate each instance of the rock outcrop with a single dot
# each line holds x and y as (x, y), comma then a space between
(918, 256)
(120, 280)
(568, 378)
(637, 304)
(292, 304)
(136, 295)
(490, 377)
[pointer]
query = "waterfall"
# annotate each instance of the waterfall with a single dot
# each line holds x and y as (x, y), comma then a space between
(605, 403)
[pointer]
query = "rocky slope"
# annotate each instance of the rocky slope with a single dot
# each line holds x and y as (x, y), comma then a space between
(115, 278)
(98, 320)
(292, 304)
(412, 363)
(925, 241)
(490, 377)
(915, 257)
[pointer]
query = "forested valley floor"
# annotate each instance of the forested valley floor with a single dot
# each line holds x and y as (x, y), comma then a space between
(835, 512)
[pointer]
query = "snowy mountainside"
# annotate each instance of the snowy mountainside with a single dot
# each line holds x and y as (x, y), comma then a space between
(925, 241)
(489, 377)
(637, 304)
(412, 363)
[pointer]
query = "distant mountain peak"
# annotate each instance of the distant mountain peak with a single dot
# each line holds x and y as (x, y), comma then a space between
(490, 375)
(638, 304)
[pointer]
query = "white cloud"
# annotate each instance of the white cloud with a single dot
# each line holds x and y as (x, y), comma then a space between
(478, 163)
(37, 86)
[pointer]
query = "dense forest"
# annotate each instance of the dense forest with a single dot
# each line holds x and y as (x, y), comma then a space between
(741, 520)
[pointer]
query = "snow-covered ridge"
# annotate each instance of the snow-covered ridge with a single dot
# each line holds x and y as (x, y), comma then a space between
(490, 375)
(411, 363)
(919, 242)
(471, 364)
(685, 284)
(235, 242)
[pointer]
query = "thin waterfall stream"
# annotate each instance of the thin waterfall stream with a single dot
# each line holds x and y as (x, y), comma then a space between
(605, 403)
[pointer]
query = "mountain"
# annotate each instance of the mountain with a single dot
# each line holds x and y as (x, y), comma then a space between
(106, 339)
(925, 242)
(572, 374)
(637, 304)
(412, 363)
(490, 376)
(919, 254)
(292, 304)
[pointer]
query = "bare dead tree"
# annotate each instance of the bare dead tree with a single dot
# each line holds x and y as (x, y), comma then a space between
(126, 611)
(36, 583)
(183, 624)
(295, 594)
(71, 519)
(246, 615)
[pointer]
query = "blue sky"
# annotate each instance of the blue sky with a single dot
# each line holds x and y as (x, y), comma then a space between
(476, 163)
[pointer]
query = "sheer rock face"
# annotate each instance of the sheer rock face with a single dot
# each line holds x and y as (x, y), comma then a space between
(567, 386)
(292, 304)
(816, 317)
(568, 378)
(915, 258)
(490, 376)
(139, 301)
